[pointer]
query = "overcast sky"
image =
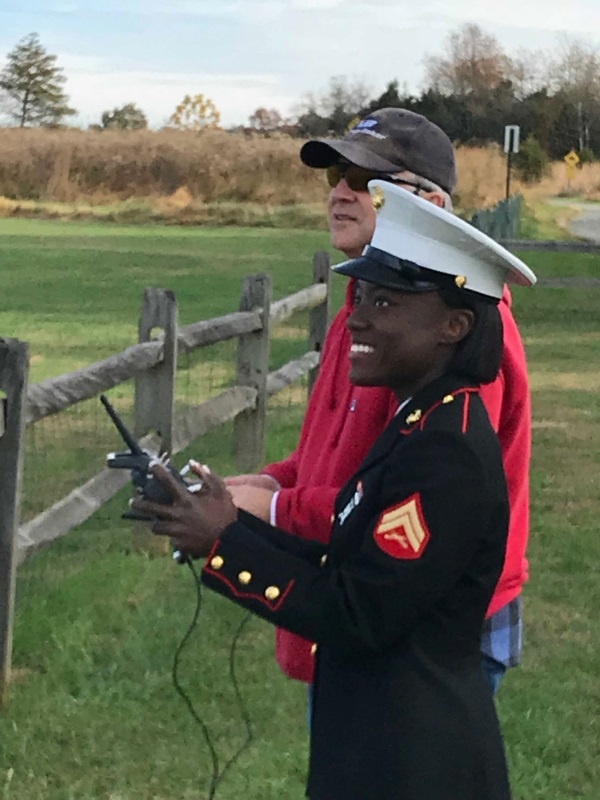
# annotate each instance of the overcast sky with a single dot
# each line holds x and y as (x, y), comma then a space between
(249, 53)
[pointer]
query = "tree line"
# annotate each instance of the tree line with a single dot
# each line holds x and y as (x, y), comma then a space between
(472, 89)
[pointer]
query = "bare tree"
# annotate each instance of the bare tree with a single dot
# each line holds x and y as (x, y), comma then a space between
(473, 62)
(529, 72)
(574, 71)
(345, 95)
(334, 108)
(265, 119)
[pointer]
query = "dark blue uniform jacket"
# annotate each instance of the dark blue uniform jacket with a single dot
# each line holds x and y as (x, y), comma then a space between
(395, 602)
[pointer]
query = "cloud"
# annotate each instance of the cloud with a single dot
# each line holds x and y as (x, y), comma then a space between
(581, 16)
(318, 5)
(184, 8)
(75, 63)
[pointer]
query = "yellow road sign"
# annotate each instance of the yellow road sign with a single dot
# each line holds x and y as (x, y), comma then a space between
(572, 159)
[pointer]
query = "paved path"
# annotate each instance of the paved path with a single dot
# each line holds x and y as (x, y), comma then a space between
(587, 224)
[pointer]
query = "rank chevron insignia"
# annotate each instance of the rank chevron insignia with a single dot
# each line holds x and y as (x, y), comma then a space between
(401, 531)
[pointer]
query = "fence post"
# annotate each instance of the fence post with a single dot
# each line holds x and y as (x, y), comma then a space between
(14, 358)
(155, 388)
(319, 316)
(155, 392)
(252, 370)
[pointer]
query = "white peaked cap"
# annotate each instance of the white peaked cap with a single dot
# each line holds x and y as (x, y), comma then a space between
(412, 229)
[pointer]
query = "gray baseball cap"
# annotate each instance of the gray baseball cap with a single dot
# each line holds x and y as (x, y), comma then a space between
(390, 140)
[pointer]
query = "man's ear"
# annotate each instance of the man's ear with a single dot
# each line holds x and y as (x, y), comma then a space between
(459, 323)
(437, 198)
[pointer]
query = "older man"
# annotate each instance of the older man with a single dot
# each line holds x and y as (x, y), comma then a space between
(343, 420)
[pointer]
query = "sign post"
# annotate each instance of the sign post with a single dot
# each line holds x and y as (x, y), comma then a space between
(571, 160)
(511, 145)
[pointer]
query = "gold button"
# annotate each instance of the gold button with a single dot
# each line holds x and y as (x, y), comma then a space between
(216, 562)
(448, 398)
(313, 649)
(272, 592)
(460, 281)
(245, 577)
(323, 560)
(414, 417)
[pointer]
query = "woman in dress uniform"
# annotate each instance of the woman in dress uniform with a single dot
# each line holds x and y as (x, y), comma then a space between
(396, 601)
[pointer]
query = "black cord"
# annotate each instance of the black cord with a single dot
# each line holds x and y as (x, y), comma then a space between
(181, 691)
(217, 775)
(240, 699)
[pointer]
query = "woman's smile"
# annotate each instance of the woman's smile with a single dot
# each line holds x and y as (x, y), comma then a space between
(361, 360)
(361, 349)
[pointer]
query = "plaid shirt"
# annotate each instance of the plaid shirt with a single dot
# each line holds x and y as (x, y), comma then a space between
(502, 637)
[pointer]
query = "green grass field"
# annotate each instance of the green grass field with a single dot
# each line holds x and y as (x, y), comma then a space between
(93, 714)
(74, 290)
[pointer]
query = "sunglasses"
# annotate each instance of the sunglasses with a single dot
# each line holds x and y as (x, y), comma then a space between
(357, 177)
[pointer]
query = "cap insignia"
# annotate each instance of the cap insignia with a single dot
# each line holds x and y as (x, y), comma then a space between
(414, 417)
(460, 281)
(378, 198)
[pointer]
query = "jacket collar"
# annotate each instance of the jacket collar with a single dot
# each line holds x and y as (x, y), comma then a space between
(413, 413)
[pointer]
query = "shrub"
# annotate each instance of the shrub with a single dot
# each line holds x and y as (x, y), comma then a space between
(531, 160)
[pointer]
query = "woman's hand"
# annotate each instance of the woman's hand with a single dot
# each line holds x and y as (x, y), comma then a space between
(196, 519)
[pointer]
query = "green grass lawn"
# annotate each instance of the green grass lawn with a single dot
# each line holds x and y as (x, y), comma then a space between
(74, 290)
(93, 714)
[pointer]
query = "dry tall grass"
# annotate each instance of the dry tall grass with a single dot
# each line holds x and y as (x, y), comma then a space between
(482, 179)
(101, 166)
(176, 170)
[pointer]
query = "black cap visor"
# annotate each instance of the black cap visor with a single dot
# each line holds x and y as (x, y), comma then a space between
(381, 268)
(323, 153)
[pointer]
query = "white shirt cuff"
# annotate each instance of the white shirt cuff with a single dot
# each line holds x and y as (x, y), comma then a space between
(273, 512)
